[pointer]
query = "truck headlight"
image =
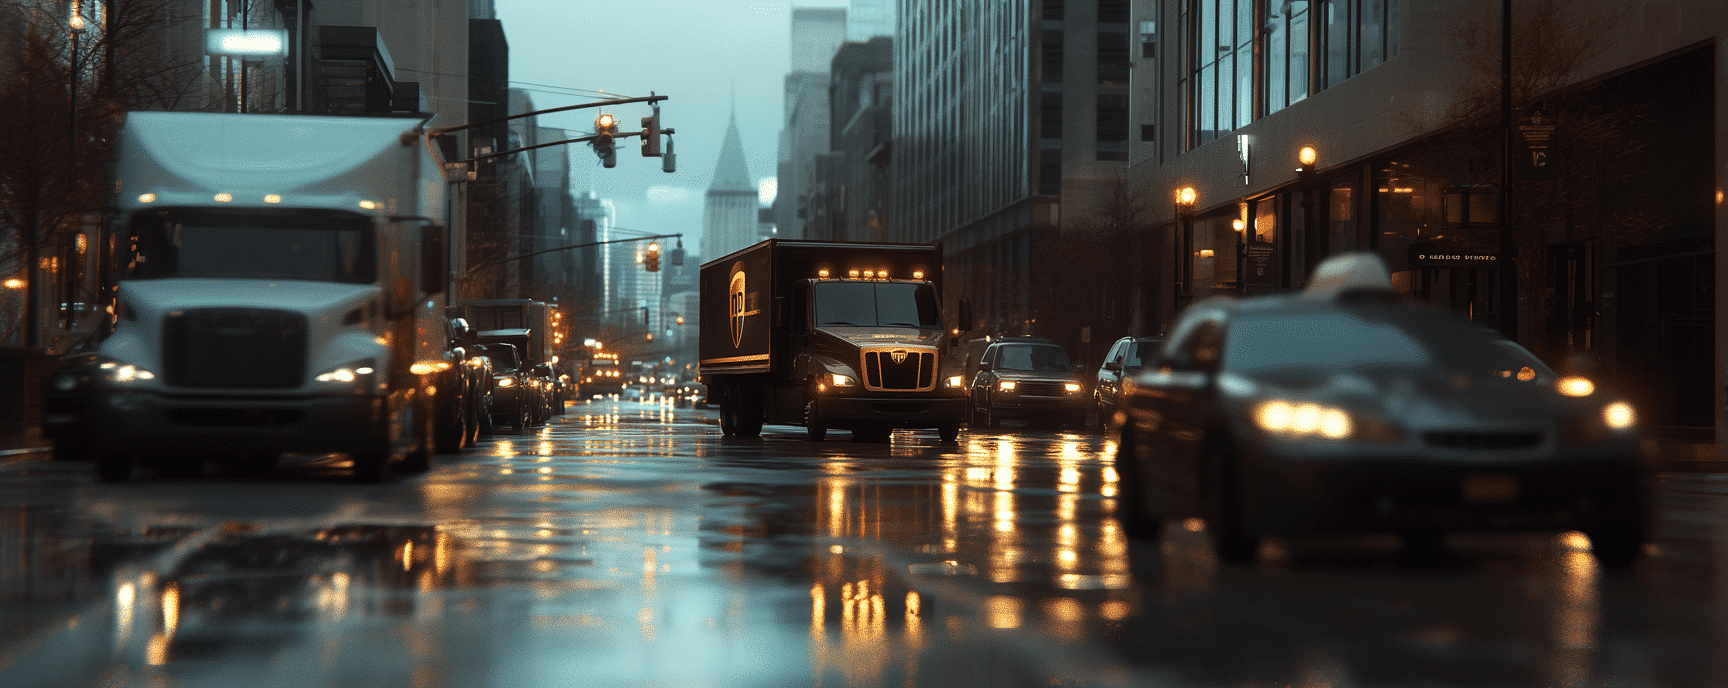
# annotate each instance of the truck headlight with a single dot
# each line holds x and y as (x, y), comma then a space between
(124, 373)
(1006, 385)
(357, 375)
(839, 380)
(956, 381)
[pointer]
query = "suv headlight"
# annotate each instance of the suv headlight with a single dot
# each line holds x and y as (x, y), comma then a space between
(1072, 387)
(506, 381)
(1303, 419)
(1006, 385)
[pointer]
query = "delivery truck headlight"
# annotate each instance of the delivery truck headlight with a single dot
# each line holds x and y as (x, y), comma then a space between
(956, 381)
(357, 375)
(839, 380)
(124, 373)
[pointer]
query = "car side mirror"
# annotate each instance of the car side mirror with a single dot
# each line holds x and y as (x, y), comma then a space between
(1113, 366)
(985, 367)
(964, 317)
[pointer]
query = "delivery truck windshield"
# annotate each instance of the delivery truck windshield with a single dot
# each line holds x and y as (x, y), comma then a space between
(876, 304)
(314, 245)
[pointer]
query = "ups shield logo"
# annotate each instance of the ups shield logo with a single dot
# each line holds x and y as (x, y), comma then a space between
(736, 308)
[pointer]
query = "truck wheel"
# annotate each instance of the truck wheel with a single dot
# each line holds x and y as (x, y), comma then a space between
(949, 432)
(749, 411)
(370, 466)
(728, 396)
(813, 423)
(113, 467)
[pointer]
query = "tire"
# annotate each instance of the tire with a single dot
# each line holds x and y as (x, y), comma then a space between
(813, 425)
(371, 466)
(749, 411)
(113, 467)
(1131, 492)
(728, 409)
(487, 427)
(1224, 504)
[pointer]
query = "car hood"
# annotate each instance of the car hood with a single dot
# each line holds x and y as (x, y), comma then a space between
(1416, 400)
(1019, 375)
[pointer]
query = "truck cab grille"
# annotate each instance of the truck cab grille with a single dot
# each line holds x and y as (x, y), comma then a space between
(234, 348)
(899, 369)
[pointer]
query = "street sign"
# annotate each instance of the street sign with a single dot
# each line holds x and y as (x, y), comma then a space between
(1537, 133)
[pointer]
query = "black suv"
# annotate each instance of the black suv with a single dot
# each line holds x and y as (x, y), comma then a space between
(1029, 379)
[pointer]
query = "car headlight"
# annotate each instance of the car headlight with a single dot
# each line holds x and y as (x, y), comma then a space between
(1006, 385)
(506, 382)
(124, 373)
(1303, 419)
(357, 375)
(1576, 387)
(1072, 387)
(956, 381)
(1619, 415)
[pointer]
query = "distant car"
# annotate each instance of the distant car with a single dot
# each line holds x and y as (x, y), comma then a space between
(1344, 409)
(515, 392)
(1128, 357)
(1028, 379)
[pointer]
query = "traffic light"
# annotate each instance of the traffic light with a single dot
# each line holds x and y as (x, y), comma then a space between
(652, 260)
(651, 135)
(605, 131)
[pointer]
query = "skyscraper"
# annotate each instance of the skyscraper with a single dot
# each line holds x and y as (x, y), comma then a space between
(729, 213)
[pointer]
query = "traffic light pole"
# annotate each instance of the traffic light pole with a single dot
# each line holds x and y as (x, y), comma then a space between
(531, 254)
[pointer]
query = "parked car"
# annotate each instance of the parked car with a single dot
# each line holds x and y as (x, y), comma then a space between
(515, 393)
(1030, 379)
(1345, 409)
(1128, 357)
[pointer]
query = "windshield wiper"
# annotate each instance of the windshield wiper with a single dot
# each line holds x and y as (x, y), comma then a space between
(842, 324)
(907, 324)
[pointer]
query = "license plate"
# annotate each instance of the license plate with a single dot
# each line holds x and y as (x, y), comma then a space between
(1492, 487)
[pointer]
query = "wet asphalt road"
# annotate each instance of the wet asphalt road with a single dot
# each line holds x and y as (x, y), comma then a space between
(630, 544)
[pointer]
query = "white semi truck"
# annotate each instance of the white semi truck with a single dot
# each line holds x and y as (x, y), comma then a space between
(283, 292)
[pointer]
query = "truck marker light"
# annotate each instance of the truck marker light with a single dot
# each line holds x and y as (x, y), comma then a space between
(852, 274)
(868, 274)
(272, 198)
(918, 274)
(224, 197)
(146, 198)
(883, 273)
(822, 274)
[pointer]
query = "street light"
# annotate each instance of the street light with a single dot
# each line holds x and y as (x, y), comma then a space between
(1306, 177)
(1186, 197)
(1241, 254)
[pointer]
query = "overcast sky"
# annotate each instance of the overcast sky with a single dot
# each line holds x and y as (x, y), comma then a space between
(699, 52)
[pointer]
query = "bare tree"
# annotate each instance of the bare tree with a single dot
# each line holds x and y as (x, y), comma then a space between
(1586, 197)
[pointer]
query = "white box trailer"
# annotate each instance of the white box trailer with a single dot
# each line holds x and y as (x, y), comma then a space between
(283, 291)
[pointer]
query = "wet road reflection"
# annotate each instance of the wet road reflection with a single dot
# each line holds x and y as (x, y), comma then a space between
(631, 544)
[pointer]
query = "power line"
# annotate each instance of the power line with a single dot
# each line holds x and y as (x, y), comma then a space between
(542, 88)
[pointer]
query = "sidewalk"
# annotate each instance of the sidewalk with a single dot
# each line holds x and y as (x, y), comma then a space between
(1682, 457)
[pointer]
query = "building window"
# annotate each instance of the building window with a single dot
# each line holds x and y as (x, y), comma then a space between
(1149, 40)
(1050, 109)
(1148, 132)
(1052, 54)
(1221, 53)
(1285, 45)
(1113, 11)
(1357, 35)
(1112, 127)
(1050, 178)
(1113, 58)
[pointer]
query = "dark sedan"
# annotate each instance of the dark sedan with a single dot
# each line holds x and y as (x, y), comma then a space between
(1346, 409)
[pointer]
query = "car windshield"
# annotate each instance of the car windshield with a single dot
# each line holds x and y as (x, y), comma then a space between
(1140, 354)
(1402, 341)
(313, 245)
(876, 304)
(503, 357)
(1041, 359)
